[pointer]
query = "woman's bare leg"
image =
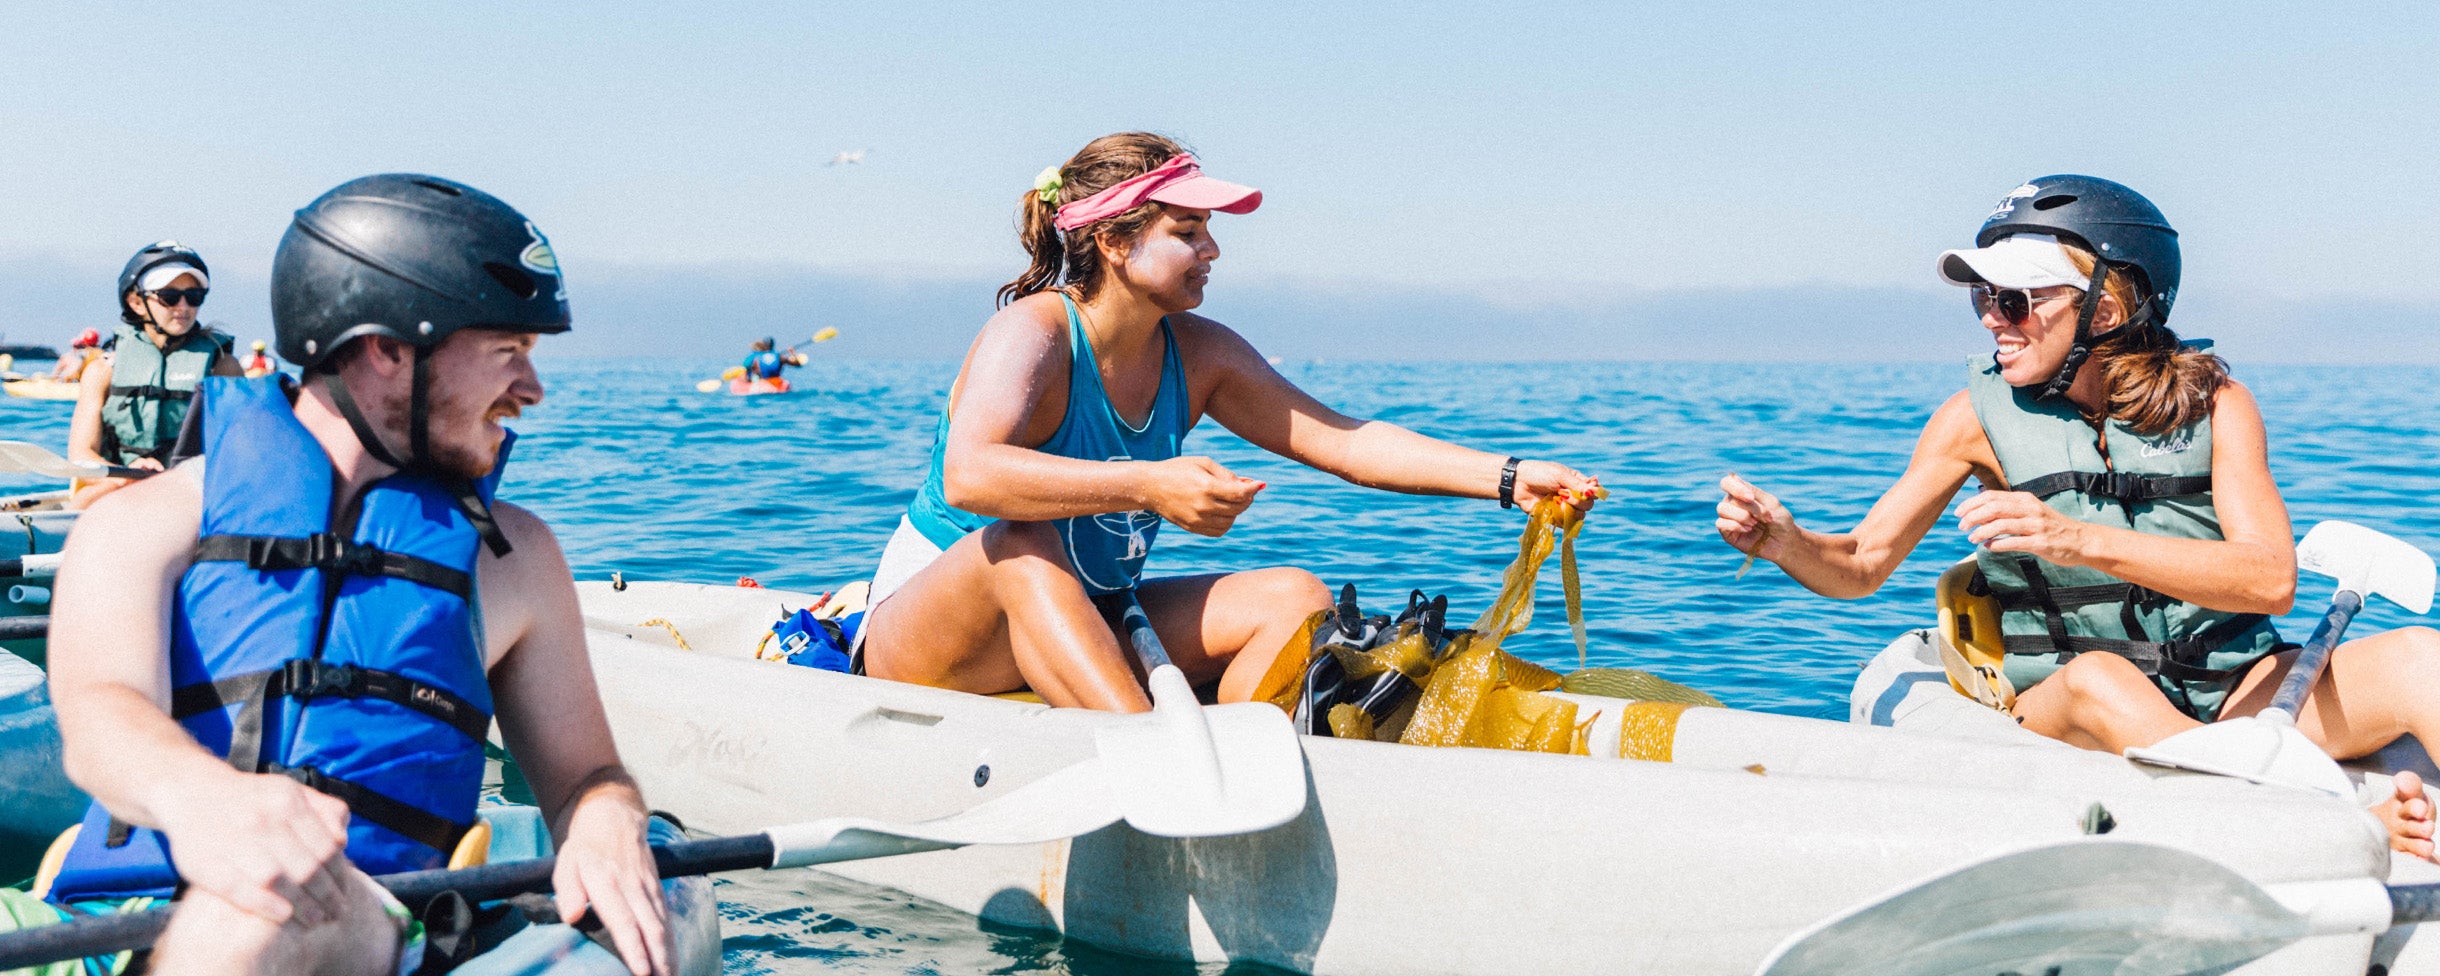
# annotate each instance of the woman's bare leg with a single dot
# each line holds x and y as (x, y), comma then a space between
(2103, 702)
(2374, 690)
(1230, 626)
(998, 611)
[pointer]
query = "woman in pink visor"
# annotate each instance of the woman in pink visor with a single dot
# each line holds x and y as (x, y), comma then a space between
(1061, 454)
(2128, 526)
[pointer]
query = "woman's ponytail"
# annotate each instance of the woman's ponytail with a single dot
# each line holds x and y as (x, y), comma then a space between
(1040, 239)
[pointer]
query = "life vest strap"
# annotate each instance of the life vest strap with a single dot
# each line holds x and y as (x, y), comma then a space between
(331, 551)
(152, 392)
(2126, 488)
(2080, 596)
(308, 678)
(2177, 660)
(431, 830)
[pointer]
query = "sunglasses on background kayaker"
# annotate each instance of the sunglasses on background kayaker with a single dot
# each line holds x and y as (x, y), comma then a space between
(2014, 304)
(170, 297)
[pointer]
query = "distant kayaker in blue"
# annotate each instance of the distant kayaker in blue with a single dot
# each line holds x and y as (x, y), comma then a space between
(2128, 523)
(1061, 454)
(767, 360)
(275, 665)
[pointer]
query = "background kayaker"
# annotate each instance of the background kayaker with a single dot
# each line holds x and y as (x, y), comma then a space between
(766, 362)
(412, 356)
(2127, 505)
(257, 363)
(82, 352)
(1059, 456)
(131, 405)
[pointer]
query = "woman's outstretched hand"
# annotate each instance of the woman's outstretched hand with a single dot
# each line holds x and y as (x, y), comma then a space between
(2016, 521)
(1752, 521)
(1537, 480)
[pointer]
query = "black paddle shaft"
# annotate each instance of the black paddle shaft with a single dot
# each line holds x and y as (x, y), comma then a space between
(2413, 903)
(25, 628)
(2307, 669)
(103, 934)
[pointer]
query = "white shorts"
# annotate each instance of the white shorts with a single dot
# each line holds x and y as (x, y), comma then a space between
(907, 554)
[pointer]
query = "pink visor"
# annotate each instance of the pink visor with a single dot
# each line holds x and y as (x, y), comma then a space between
(1179, 182)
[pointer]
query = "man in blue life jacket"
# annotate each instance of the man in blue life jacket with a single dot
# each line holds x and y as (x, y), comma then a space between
(275, 664)
(130, 406)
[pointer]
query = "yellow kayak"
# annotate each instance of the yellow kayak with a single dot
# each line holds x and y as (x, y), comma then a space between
(40, 388)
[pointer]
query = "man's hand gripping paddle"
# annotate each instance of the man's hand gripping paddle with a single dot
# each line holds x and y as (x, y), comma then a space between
(2267, 747)
(1182, 770)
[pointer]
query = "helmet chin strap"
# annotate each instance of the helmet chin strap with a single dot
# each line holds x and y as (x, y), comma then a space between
(419, 443)
(2083, 347)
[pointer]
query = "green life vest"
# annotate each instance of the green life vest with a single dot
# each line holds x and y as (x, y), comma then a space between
(150, 390)
(2157, 485)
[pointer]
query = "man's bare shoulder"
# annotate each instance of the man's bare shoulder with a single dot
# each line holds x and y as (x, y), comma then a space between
(165, 510)
(534, 557)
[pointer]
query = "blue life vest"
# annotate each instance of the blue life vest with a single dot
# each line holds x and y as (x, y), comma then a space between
(764, 365)
(350, 660)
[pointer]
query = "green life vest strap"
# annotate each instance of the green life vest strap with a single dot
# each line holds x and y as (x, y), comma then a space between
(2125, 488)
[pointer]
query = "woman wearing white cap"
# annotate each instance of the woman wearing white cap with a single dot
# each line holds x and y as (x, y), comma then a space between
(2128, 506)
(1059, 457)
(131, 406)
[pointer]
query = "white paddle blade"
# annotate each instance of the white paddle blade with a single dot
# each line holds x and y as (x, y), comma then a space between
(2083, 908)
(33, 459)
(2369, 562)
(1068, 803)
(1185, 770)
(2258, 748)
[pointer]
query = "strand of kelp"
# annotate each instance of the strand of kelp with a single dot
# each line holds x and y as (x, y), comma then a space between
(1475, 693)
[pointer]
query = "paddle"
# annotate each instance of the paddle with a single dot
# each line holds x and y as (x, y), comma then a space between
(1180, 770)
(20, 456)
(2267, 747)
(2091, 906)
(713, 386)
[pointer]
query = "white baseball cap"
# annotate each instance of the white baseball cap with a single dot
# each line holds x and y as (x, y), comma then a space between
(2014, 261)
(160, 275)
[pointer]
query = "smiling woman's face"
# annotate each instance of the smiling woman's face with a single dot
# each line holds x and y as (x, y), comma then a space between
(173, 319)
(1171, 260)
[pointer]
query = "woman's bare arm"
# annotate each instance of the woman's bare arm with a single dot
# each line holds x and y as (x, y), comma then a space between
(1853, 564)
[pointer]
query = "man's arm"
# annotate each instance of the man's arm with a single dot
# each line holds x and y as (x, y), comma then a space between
(263, 843)
(551, 717)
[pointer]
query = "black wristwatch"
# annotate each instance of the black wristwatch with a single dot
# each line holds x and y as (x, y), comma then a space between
(1508, 484)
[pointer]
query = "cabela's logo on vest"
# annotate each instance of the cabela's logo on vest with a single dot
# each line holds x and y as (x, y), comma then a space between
(2177, 442)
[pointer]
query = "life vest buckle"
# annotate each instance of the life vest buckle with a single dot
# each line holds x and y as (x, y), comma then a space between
(308, 678)
(333, 551)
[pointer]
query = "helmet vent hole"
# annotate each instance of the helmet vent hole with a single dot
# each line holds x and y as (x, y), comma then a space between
(443, 187)
(2054, 201)
(514, 280)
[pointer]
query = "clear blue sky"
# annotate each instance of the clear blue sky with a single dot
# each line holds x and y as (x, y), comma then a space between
(1517, 155)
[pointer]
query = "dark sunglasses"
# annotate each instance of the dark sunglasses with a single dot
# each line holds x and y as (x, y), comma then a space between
(171, 296)
(2014, 304)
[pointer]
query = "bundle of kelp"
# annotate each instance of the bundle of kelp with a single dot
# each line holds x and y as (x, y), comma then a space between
(1410, 679)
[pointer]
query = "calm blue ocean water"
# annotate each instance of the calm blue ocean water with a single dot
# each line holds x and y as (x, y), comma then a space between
(641, 474)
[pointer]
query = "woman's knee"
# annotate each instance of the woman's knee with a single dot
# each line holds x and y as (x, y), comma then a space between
(1028, 551)
(1288, 588)
(2098, 681)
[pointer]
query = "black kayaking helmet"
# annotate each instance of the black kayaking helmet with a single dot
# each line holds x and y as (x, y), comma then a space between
(2124, 232)
(152, 256)
(414, 258)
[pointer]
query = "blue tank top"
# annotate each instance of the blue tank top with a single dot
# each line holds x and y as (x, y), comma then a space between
(1106, 550)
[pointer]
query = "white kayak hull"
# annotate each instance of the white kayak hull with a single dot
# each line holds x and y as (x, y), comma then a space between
(1411, 860)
